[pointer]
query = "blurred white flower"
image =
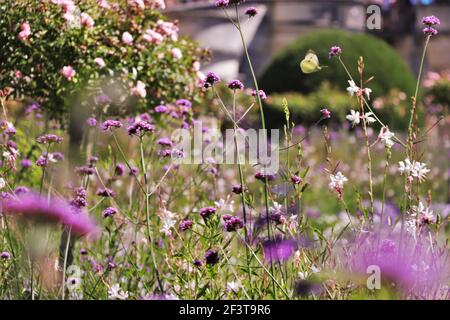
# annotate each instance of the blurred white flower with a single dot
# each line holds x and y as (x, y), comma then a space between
(386, 136)
(353, 88)
(353, 117)
(115, 293)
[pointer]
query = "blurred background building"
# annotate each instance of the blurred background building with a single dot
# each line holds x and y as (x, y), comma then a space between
(280, 22)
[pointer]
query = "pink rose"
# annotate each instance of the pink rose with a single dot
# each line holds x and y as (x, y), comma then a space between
(68, 72)
(25, 31)
(100, 62)
(86, 20)
(127, 38)
(139, 90)
(176, 53)
(153, 36)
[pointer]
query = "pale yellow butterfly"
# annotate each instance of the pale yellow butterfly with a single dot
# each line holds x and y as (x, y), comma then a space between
(310, 63)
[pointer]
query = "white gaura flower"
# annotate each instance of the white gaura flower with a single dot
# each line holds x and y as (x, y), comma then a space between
(115, 293)
(168, 221)
(411, 227)
(353, 88)
(386, 136)
(337, 182)
(425, 214)
(234, 286)
(404, 167)
(369, 118)
(367, 91)
(2, 183)
(353, 117)
(419, 171)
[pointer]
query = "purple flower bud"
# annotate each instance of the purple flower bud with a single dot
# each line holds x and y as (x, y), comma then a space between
(161, 109)
(251, 12)
(120, 169)
(110, 124)
(91, 122)
(106, 193)
(262, 177)
(262, 94)
(84, 170)
(5, 255)
(326, 114)
(26, 163)
(296, 179)
(233, 224)
(222, 3)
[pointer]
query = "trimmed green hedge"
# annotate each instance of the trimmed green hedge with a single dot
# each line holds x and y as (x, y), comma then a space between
(283, 73)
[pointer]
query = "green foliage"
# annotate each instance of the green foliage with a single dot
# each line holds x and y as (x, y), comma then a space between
(54, 43)
(283, 73)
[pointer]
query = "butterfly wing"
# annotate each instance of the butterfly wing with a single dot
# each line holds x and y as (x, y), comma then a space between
(311, 63)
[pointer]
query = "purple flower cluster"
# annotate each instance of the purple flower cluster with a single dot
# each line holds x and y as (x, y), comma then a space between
(278, 249)
(85, 170)
(211, 79)
(212, 257)
(109, 212)
(91, 122)
(262, 94)
(326, 114)
(296, 179)
(161, 109)
(222, 3)
(5, 255)
(79, 201)
(263, 176)
(235, 85)
(139, 128)
(251, 11)
(430, 22)
(207, 212)
(185, 225)
(237, 189)
(232, 223)
(49, 138)
(120, 169)
(110, 124)
(105, 192)
(32, 205)
(335, 51)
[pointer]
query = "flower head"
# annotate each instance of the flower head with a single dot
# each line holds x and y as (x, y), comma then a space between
(261, 94)
(335, 51)
(32, 205)
(251, 11)
(68, 72)
(353, 117)
(431, 21)
(211, 79)
(207, 212)
(235, 85)
(185, 225)
(109, 212)
(222, 3)
(212, 257)
(139, 90)
(110, 124)
(337, 182)
(326, 114)
(127, 38)
(386, 136)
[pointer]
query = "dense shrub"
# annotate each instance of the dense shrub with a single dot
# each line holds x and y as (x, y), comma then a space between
(283, 74)
(33, 56)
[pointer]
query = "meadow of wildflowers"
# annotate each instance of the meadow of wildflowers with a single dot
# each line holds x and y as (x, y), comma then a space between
(352, 210)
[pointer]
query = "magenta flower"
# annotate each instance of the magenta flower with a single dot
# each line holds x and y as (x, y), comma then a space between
(232, 223)
(31, 205)
(86, 20)
(127, 38)
(326, 114)
(139, 90)
(212, 257)
(100, 62)
(49, 138)
(25, 31)
(139, 128)
(251, 12)
(105, 192)
(296, 179)
(222, 3)
(5, 255)
(161, 109)
(207, 212)
(235, 85)
(431, 21)
(261, 93)
(211, 79)
(335, 51)
(109, 212)
(185, 225)
(164, 142)
(91, 122)
(110, 124)
(68, 72)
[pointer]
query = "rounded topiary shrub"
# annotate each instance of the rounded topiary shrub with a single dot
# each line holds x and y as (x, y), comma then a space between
(283, 73)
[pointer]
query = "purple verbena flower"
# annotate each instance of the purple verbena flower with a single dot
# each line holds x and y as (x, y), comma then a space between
(335, 51)
(105, 192)
(431, 21)
(166, 142)
(5, 255)
(32, 205)
(212, 257)
(79, 201)
(235, 85)
(109, 212)
(185, 225)
(233, 224)
(49, 138)
(161, 109)
(139, 128)
(430, 31)
(251, 11)
(262, 94)
(207, 212)
(91, 122)
(296, 179)
(211, 79)
(110, 124)
(85, 170)
(262, 176)
(222, 3)
(278, 249)
(326, 114)
(120, 169)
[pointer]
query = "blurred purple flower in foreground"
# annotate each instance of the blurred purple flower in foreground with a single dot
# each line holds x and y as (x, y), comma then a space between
(278, 249)
(32, 205)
